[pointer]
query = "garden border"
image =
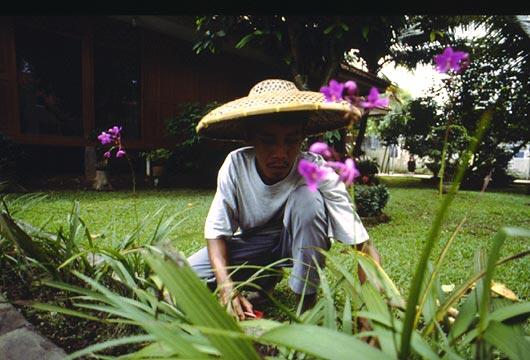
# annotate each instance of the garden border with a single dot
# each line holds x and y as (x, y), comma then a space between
(20, 340)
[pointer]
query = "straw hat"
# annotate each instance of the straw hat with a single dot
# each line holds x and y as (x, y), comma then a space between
(273, 97)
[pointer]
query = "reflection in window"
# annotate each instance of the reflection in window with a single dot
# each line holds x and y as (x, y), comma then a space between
(49, 82)
(116, 85)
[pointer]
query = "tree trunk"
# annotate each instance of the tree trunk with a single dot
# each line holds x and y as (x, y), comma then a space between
(101, 182)
(90, 163)
(360, 135)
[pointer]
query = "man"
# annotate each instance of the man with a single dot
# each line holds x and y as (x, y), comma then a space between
(263, 211)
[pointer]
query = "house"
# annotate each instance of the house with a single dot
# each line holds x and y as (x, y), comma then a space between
(64, 79)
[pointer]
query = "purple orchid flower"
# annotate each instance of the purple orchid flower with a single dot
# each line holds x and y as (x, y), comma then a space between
(333, 92)
(312, 173)
(321, 148)
(374, 100)
(105, 138)
(347, 170)
(120, 153)
(451, 60)
(114, 131)
(107, 154)
(350, 91)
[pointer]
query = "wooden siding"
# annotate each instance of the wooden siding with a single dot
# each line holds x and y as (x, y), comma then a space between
(171, 74)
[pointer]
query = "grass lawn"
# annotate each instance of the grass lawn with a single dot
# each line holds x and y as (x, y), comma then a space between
(411, 208)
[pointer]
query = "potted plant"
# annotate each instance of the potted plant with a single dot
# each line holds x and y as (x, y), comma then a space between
(156, 160)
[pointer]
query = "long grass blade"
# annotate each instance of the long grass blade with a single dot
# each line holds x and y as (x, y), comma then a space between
(433, 236)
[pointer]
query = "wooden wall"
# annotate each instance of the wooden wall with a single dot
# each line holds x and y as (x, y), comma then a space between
(171, 74)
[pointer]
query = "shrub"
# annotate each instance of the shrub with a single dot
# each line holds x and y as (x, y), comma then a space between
(193, 154)
(368, 169)
(157, 155)
(370, 200)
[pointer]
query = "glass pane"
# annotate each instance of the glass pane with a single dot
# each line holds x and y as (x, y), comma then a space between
(117, 88)
(49, 82)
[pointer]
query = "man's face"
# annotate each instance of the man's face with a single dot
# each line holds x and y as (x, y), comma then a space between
(277, 147)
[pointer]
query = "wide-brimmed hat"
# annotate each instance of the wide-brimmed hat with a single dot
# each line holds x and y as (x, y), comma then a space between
(271, 99)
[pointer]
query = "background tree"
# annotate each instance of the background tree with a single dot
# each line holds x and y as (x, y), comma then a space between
(312, 48)
(496, 79)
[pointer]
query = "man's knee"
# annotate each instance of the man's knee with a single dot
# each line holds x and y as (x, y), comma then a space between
(305, 205)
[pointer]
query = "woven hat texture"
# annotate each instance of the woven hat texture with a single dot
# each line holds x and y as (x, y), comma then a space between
(273, 98)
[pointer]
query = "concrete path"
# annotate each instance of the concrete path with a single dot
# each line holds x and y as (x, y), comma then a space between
(20, 341)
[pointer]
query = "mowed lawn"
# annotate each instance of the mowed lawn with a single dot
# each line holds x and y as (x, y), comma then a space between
(411, 208)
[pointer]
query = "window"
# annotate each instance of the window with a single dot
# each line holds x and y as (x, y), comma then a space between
(117, 78)
(49, 82)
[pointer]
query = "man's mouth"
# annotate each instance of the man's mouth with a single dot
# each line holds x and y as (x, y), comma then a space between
(278, 166)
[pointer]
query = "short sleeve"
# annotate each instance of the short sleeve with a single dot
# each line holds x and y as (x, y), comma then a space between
(344, 223)
(222, 219)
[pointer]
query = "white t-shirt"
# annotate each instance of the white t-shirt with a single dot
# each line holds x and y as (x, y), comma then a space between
(244, 203)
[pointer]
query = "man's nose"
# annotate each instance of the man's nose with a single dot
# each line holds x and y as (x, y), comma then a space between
(279, 151)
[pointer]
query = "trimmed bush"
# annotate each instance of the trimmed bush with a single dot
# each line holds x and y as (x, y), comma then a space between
(370, 200)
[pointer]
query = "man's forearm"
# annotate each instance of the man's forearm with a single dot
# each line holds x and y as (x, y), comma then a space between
(369, 249)
(218, 254)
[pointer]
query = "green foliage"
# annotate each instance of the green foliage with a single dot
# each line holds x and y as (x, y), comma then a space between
(331, 137)
(157, 155)
(310, 47)
(193, 324)
(368, 169)
(134, 298)
(193, 154)
(496, 79)
(370, 200)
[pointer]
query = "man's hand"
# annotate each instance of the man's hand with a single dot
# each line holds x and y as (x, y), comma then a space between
(369, 249)
(238, 305)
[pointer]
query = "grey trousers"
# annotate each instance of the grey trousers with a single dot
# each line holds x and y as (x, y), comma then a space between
(304, 228)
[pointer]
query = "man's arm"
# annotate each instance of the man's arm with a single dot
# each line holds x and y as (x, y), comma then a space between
(369, 249)
(218, 254)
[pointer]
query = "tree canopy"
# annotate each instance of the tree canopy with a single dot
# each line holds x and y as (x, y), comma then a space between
(497, 79)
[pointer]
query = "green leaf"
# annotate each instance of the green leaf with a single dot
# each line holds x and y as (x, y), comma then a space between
(494, 255)
(433, 237)
(510, 311)
(245, 40)
(11, 231)
(468, 312)
(366, 29)
(432, 36)
(199, 304)
(329, 29)
(111, 343)
(347, 316)
(507, 340)
(63, 310)
(321, 342)
(330, 313)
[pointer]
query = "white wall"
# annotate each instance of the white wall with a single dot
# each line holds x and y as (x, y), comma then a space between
(520, 164)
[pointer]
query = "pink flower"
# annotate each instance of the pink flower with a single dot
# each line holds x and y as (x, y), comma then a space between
(451, 60)
(374, 100)
(333, 92)
(321, 148)
(347, 170)
(107, 154)
(312, 173)
(105, 138)
(120, 153)
(114, 131)
(350, 91)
